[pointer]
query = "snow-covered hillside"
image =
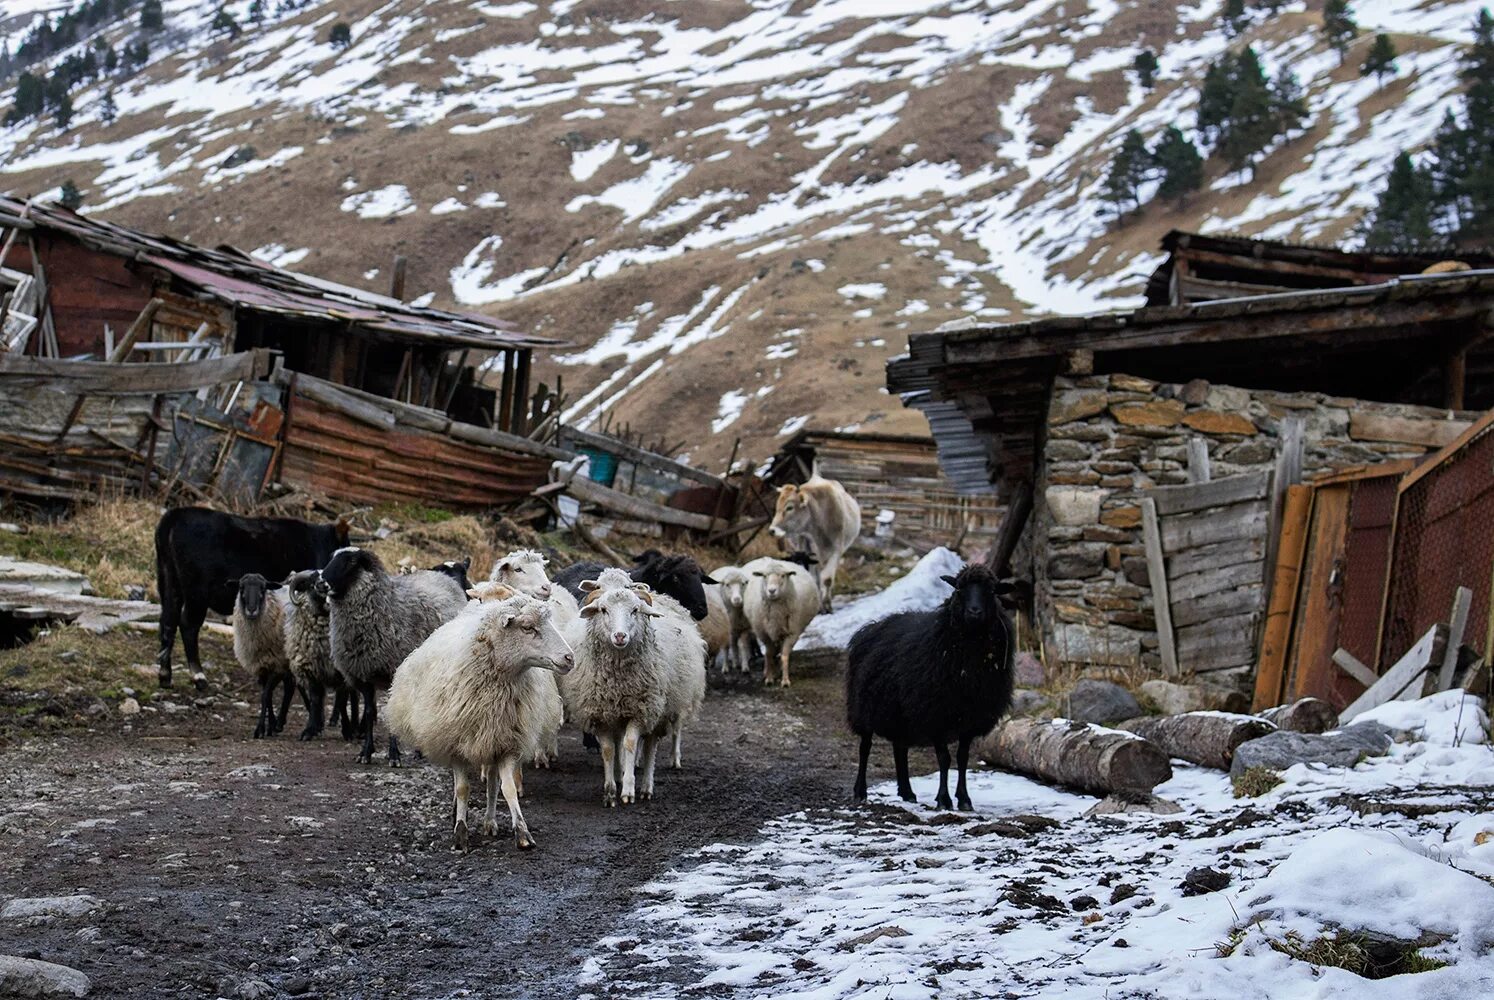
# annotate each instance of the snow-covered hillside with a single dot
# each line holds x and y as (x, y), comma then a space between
(735, 211)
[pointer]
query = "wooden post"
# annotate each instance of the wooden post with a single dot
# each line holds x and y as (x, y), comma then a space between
(1454, 379)
(399, 380)
(1198, 460)
(137, 329)
(520, 423)
(1462, 601)
(1156, 572)
(1281, 606)
(456, 382)
(1288, 473)
(397, 278)
(506, 392)
(1000, 558)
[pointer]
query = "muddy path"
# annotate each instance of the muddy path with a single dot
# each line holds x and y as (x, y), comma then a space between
(239, 868)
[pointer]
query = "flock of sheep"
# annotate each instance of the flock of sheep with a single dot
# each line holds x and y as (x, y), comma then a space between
(481, 678)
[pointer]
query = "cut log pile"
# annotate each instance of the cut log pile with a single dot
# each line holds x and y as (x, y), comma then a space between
(1077, 755)
(1205, 738)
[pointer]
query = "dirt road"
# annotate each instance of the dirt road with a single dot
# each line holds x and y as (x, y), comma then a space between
(231, 867)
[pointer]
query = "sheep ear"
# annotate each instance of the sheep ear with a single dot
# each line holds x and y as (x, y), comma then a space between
(758, 573)
(949, 580)
(466, 562)
(706, 577)
(589, 585)
(503, 567)
(507, 620)
(590, 610)
(472, 593)
(652, 611)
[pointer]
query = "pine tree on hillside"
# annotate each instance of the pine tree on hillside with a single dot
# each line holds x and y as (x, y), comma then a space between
(108, 110)
(151, 18)
(1339, 24)
(1478, 78)
(1253, 113)
(29, 101)
(1146, 67)
(257, 11)
(1402, 219)
(1215, 97)
(1452, 165)
(1236, 17)
(1128, 171)
(1380, 62)
(1180, 164)
(63, 116)
(224, 24)
(1290, 103)
(342, 35)
(70, 197)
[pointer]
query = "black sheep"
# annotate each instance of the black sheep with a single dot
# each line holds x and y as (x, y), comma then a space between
(929, 678)
(680, 577)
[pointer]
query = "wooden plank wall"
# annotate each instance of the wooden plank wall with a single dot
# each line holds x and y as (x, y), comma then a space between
(905, 477)
(1214, 547)
(330, 453)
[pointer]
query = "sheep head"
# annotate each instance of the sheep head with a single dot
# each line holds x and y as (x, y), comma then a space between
(487, 590)
(253, 592)
(346, 567)
(619, 613)
(733, 583)
(678, 576)
(978, 595)
(524, 570)
(777, 579)
(518, 633)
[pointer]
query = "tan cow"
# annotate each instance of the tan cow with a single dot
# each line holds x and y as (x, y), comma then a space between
(820, 517)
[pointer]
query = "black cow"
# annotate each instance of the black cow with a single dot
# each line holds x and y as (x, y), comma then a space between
(201, 552)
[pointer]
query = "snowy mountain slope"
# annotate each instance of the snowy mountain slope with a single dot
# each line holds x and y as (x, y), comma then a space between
(735, 211)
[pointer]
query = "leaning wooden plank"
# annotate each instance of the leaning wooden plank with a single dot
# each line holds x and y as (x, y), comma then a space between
(621, 503)
(345, 403)
(1404, 430)
(135, 332)
(65, 604)
(1462, 601)
(1407, 670)
(1075, 754)
(1156, 572)
(1351, 665)
(103, 378)
(1205, 738)
(1225, 524)
(1217, 493)
(622, 449)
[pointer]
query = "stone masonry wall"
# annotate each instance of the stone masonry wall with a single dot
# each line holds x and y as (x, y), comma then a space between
(1112, 436)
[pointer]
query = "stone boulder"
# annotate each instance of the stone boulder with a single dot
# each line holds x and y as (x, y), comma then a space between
(1343, 748)
(1100, 702)
(41, 908)
(28, 977)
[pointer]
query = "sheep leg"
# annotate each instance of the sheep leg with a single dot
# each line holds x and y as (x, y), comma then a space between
(351, 719)
(785, 652)
(462, 788)
(265, 726)
(394, 750)
(370, 714)
(490, 815)
(609, 782)
(679, 733)
(744, 652)
(962, 758)
(314, 697)
(770, 653)
(650, 750)
(289, 688)
(510, 769)
(904, 786)
(860, 789)
(627, 761)
(941, 752)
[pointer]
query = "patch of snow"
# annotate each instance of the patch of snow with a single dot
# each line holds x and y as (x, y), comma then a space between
(919, 590)
(382, 203)
(870, 290)
(586, 162)
(448, 205)
(278, 255)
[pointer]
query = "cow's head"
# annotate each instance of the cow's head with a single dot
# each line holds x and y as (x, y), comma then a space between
(343, 530)
(253, 592)
(791, 516)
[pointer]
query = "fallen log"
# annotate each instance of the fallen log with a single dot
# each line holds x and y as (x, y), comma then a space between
(1305, 715)
(1076, 754)
(1206, 738)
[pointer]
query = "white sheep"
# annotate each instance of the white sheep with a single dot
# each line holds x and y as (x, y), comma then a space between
(259, 646)
(733, 582)
(477, 697)
(549, 745)
(781, 601)
(715, 627)
(524, 570)
(639, 677)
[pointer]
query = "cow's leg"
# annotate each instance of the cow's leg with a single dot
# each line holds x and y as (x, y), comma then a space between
(608, 746)
(285, 701)
(462, 788)
(192, 618)
(904, 786)
(171, 617)
(628, 759)
(860, 790)
(941, 752)
(510, 771)
(370, 716)
(962, 758)
(650, 751)
(827, 582)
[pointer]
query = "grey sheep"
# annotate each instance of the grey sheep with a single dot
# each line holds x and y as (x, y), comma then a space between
(259, 646)
(308, 646)
(376, 620)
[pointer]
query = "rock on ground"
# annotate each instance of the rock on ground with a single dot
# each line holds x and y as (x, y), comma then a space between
(1344, 748)
(42, 907)
(28, 977)
(1101, 702)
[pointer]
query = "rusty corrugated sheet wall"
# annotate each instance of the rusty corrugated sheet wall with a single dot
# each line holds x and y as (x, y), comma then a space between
(328, 453)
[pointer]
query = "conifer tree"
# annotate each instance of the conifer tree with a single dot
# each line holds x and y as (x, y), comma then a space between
(1402, 220)
(151, 18)
(63, 116)
(1146, 67)
(1180, 163)
(1215, 98)
(1380, 62)
(1128, 171)
(1452, 165)
(108, 110)
(1339, 24)
(1235, 17)
(70, 197)
(1253, 113)
(342, 35)
(224, 24)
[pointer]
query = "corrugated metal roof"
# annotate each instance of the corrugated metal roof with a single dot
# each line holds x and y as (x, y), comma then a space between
(234, 277)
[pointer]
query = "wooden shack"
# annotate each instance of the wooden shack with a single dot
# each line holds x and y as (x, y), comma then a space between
(892, 472)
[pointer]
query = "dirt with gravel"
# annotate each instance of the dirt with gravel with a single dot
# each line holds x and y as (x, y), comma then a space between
(233, 867)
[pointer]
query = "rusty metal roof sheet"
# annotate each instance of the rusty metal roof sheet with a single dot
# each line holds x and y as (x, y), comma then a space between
(232, 276)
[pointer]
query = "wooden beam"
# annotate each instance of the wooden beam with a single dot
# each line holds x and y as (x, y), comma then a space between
(1198, 460)
(102, 378)
(397, 277)
(1349, 664)
(1462, 601)
(519, 423)
(1156, 571)
(999, 560)
(136, 331)
(1218, 493)
(631, 453)
(586, 491)
(1401, 677)
(1454, 380)
(1281, 603)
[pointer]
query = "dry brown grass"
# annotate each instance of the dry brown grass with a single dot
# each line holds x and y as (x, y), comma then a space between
(112, 542)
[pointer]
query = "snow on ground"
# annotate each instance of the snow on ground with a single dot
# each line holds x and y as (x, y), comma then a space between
(919, 589)
(888, 900)
(393, 199)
